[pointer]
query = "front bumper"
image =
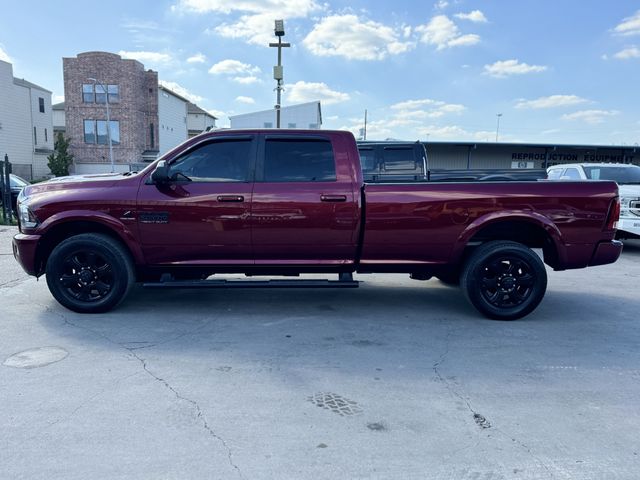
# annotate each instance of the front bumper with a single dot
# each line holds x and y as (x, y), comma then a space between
(606, 252)
(24, 251)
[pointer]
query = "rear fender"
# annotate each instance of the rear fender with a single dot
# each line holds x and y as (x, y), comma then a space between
(493, 218)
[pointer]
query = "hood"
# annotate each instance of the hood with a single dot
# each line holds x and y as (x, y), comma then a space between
(73, 182)
(629, 190)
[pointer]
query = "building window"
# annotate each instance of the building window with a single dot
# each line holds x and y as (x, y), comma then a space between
(35, 136)
(114, 93)
(96, 94)
(268, 124)
(152, 136)
(292, 125)
(41, 104)
(101, 95)
(95, 131)
(89, 131)
(87, 93)
(46, 136)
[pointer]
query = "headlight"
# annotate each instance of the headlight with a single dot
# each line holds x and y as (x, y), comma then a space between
(629, 205)
(26, 217)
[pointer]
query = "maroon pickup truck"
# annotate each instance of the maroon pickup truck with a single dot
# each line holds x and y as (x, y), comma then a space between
(286, 202)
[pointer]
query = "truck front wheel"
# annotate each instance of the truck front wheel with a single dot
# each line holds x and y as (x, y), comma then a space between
(504, 280)
(89, 273)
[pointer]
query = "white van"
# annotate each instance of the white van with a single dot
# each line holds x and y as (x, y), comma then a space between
(628, 179)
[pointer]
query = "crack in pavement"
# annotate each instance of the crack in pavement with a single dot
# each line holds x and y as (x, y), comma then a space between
(478, 418)
(131, 350)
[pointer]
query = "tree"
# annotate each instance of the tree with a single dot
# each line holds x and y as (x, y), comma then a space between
(60, 159)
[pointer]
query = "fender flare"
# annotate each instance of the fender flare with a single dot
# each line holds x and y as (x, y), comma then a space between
(493, 218)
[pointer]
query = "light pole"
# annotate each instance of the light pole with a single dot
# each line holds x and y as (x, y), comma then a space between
(106, 101)
(278, 74)
(498, 126)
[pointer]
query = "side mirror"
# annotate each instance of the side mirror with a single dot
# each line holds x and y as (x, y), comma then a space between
(161, 174)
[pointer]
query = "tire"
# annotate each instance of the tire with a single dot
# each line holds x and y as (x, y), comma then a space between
(90, 273)
(504, 280)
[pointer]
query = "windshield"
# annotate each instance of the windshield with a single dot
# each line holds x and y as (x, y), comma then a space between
(621, 175)
(17, 182)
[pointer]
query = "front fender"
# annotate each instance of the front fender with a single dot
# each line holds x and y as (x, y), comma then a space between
(122, 230)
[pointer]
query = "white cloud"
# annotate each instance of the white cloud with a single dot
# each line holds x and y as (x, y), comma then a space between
(592, 117)
(629, 26)
(180, 90)
(301, 92)
(246, 80)
(240, 72)
(4, 56)
(255, 24)
(552, 101)
(423, 108)
(475, 16)
(247, 100)
(233, 67)
(441, 5)
(443, 33)
(217, 113)
(147, 57)
(348, 36)
(197, 58)
(255, 29)
(57, 98)
(627, 53)
(505, 68)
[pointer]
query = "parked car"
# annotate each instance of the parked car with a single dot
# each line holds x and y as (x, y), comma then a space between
(17, 184)
(286, 202)
(626, 176)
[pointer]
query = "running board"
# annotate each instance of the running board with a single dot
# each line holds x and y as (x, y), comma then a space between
(253, 284)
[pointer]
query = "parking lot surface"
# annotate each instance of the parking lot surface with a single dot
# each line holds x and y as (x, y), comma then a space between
(397, 379)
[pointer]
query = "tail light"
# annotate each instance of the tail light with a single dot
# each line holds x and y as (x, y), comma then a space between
(614, 215)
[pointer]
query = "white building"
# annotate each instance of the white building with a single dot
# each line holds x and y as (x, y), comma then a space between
(172, 119)
(198, 120)
(26, 126)
(304, 115)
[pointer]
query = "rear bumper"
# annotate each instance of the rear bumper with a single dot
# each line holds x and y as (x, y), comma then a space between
(606, 252)
(24, 251)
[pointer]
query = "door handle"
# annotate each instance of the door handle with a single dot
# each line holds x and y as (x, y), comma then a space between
(230, 198)
(333, 198)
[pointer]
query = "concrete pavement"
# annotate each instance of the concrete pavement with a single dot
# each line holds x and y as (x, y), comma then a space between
(398, 379)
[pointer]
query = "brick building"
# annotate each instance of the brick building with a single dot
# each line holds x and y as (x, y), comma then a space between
(132, 94)
(147, 119)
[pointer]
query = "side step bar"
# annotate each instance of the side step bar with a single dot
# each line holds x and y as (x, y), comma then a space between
(253, 284)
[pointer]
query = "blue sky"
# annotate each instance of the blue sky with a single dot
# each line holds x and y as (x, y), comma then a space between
(558, 71)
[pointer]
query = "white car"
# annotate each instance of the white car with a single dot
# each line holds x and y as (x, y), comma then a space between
(628, 179)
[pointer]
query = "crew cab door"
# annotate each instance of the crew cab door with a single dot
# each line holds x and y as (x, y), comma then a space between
(306, 205)
(202, 215)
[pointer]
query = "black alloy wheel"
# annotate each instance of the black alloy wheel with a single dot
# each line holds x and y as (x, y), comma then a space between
(89, 273)
(504, 280)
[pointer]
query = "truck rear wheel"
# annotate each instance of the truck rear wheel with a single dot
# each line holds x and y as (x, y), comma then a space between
(504, 280)
(89, 273)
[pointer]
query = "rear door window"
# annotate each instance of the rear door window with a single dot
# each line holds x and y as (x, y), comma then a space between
(299, 160)
(397, 158)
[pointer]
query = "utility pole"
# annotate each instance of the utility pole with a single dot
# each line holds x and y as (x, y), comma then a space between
(498, 126)
(278, 74)
(364, 136)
